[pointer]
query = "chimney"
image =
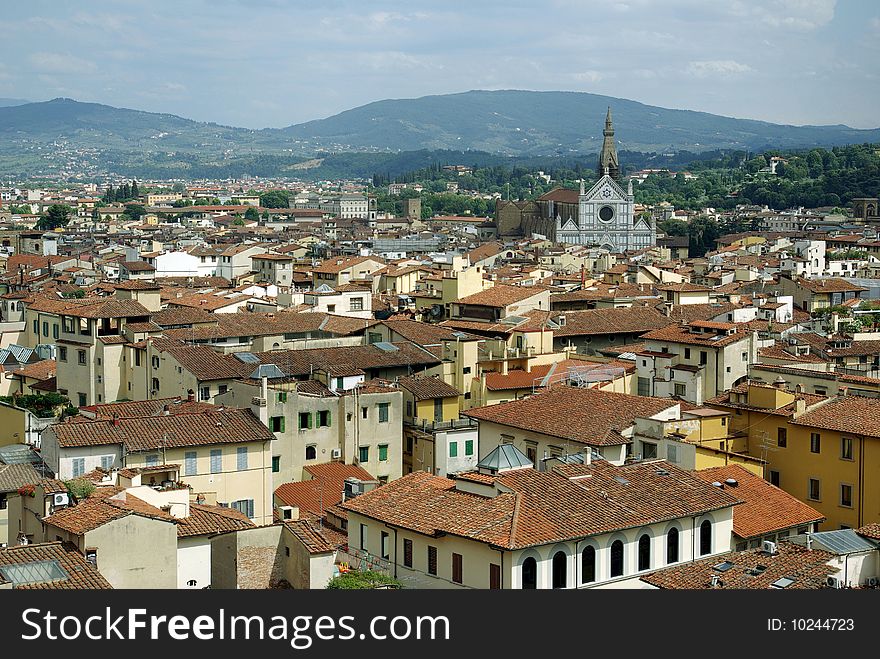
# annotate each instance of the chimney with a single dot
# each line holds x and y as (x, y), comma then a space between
(190, 395)
(844, 391)
(115, 420)
(715, 581)
(800, 406)
(166, 410)
(809, 542)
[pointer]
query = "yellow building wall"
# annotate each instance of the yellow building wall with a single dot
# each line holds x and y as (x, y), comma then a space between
(706, 459)
(425, 409)
(12, 425)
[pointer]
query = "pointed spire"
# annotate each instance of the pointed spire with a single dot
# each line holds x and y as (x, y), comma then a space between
(609, 127)
(608, 165)
(582, 186)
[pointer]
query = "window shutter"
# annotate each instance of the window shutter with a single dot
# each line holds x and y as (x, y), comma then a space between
(282, 424)
(310, 420)
(329, 416)
(250, 508)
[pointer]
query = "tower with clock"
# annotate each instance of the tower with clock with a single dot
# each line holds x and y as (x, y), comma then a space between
(605, 212)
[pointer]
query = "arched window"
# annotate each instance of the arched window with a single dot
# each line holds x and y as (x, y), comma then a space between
(530, 574)
(705, 538)
(560, 573)
(672, 546)
(644, 552)
(311, 452)
(617, 558)
(588, 565)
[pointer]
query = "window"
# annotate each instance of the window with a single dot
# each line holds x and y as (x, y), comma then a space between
(62, 353)
(106, 462)
(331, 308)
(588, 565)
(407, 552)
(81, 399)
(774, 478)
(340, 383)
(409, 408)
(241, 457)
(79, 467)
(276, 423)
(364, 412)
(680, 389)
(530, 574)
(81, 356)
(276, 464)
(846, 495)
(205, 393)
(383, 412)
(281, 397)
(672, 453)
(312, 452)
(846, 448)
(222, 389)
(244, 506)
(383, 452)
(305, 420)
(469, 447)
(644, 387)
(324, 419)
(363, 536)
(705, 538)
(644, 552)
(703, 358)
(356, 304)
(153, 460)
(432, 560)
(560, 565)
(687, 353)
(383, 545)
(155, 361)
(782, 437)
(813, 489)
(45, 328)
(189, 463)
(815, 442)
(216, 460)
(532, 453)
(36, 327)
(453, 449)
(364, 454)
(617, 559)
(672, 546)
(494, 576)
(649, 450)
(745, 356)
(456, 568)
(466, 370)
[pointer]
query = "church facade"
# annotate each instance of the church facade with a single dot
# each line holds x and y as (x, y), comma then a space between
(602, 216)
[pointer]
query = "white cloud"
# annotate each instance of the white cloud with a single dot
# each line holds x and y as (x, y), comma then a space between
(58, 63)
(716, 68)
(795, 14)
(588, 76)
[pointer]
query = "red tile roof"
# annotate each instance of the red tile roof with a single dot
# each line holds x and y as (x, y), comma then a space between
(765, 508)
(323, 490)
(81, 574)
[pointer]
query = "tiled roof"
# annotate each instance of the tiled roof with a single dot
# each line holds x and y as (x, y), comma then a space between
(137, 285)
(829, 285)
(81, 574)
(778, 351)
(313, 539)
(15, 476)
(183, 316)
(41, 370)
(137, 266)
(562, 195)
(682, 334)
(425, 387)
(484, 251)
(337, 265)
(807, 568)
(208, 520)
(623, 320)
(592, 416)
(856, 415)
(324, 489)
(870, 531)
(765, 507)
(538, 376)
(725, 400)
(96, 511)
(150, 433)
(538, 508)
(143, 408)
(501, 295)
(423, 333)
(266, 324)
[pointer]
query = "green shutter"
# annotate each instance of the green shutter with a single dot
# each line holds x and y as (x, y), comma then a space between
(469, 447)
(328, 418)
(310, 420)
(453, 449)
(282, 424)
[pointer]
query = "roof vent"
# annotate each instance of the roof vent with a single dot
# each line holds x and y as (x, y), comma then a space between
(717, 484)
(732, 482)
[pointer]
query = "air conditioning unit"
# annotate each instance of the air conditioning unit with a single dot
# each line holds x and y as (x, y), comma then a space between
(258, 402)
(60, 499)
(768, 547)
(336, 453)
(873, 582)
(833, 582)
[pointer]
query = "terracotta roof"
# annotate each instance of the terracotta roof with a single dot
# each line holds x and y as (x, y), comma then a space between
(94, 512)
(870, 531)
(562, 195)
(266, 324)
(312, 538)
(208, 520)
(682, 334)
(857, 415)
(539, 508)
(183, 316)
(149, 433)
(426, 387)
(147, 408)
(80, 573)
(337, 265)
(808, 569)
(15, 476)
(137, 266)
(725, 400)
(521, 379)
(484, 251)
(623, 320)
(423, 333)
(324, 489)
(765, 507)
(778, 351)
(137, 285)
(501, 295)
(829, 285)
(592, 416)
(41, 370)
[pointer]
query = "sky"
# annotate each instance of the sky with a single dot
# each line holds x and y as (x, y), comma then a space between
(273, 63)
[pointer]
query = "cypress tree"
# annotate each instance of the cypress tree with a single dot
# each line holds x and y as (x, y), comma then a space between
(135, 193)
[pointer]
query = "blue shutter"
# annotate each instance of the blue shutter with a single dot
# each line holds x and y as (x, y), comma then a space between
(242, 454)
(189, 465)
(216, 460)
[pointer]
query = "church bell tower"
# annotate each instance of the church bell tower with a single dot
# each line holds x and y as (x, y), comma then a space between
(608, 163)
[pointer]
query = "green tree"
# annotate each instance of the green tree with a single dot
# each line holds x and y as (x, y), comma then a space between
(57, 215)
(366, 580)
(178, 188)
(252, 214)
(275, 199)
(135, 211)
(135, 193)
